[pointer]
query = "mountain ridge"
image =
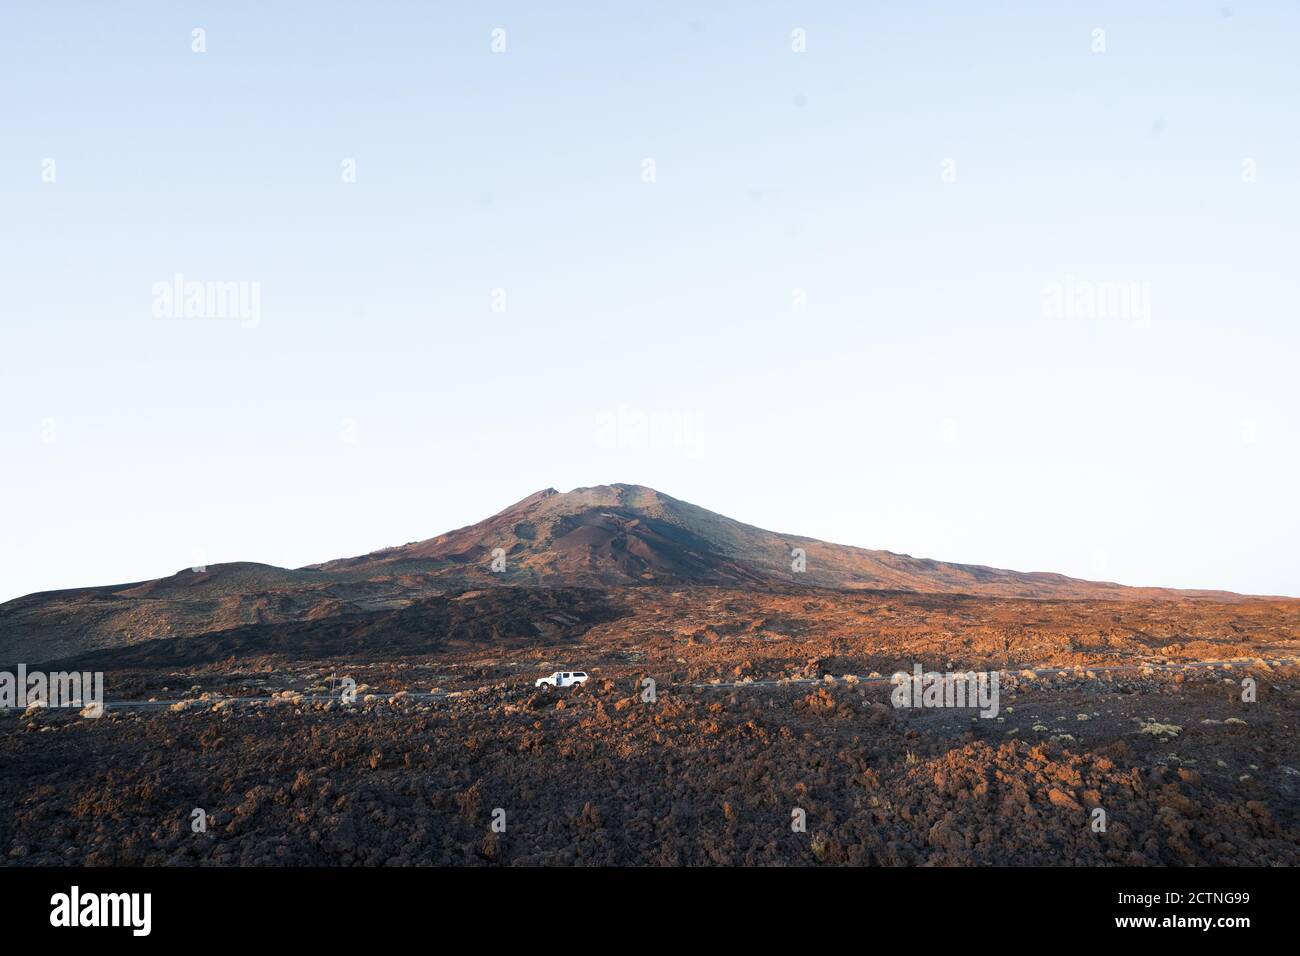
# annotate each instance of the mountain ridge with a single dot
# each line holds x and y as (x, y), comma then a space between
(607, 536)
(766, 552)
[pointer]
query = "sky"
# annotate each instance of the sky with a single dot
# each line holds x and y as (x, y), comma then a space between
(1007, 284)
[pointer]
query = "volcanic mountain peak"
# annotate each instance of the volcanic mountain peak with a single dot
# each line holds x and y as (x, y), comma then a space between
(631, 534)
(601, 536)
(606, 534)
(631, 497)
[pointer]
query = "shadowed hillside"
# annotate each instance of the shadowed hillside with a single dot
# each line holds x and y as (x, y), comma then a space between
(605, 536)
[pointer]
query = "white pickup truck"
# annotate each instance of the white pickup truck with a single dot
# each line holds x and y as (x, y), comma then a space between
(562, 679)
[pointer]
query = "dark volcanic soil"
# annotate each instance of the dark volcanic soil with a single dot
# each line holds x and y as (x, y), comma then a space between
(609, 536)
(708, 773)
(496, 616)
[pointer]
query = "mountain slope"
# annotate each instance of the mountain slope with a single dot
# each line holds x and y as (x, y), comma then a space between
(604, 536)
(629, 534)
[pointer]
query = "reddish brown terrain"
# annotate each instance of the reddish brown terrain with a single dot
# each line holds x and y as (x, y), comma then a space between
(771, 693)
(606, 536)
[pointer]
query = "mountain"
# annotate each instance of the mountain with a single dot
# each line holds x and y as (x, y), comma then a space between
(629, 534)
(604, 536)
(607, 535)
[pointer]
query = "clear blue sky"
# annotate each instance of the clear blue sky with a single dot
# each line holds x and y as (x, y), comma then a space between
(925, 400)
